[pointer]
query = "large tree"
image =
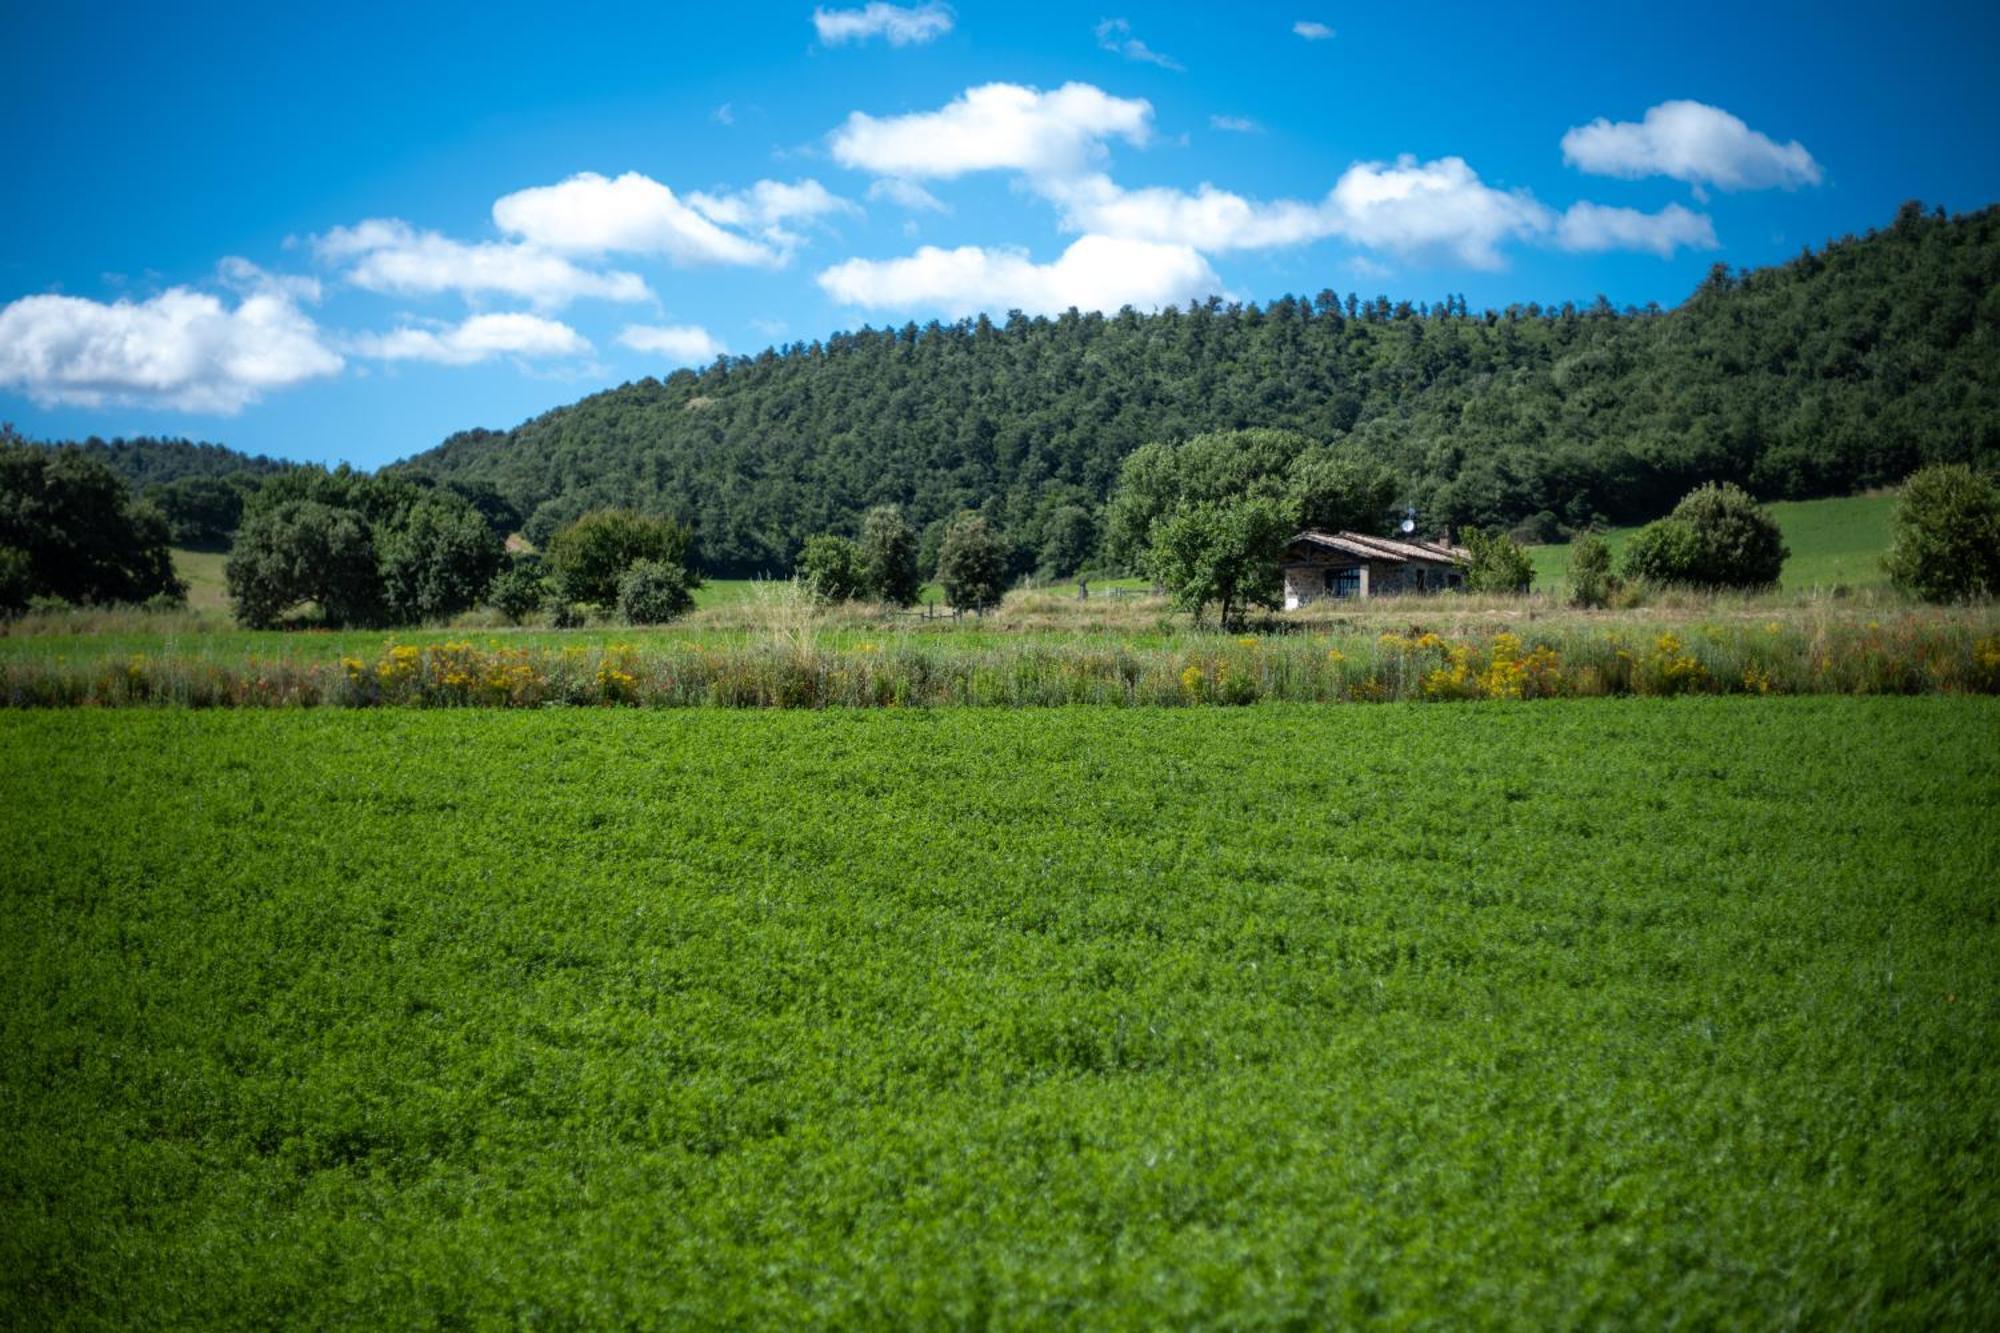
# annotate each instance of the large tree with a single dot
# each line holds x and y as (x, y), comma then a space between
(77, 529)
(590, 555)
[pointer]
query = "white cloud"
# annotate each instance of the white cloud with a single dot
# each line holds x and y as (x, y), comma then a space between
(1692, 142)
(724, 114)
(909, 194)
(682, 344)
(479, 338)
(1235, 124)
(769, 204)
(635, 214)
(1210, 219)
(1115, 36)
(998, 126)
(1593, 227)
(901, 25)
(1312, 31)
(1412, 209)
(181, 349)
(389, 255)
(1433, 208)
(1094, 273)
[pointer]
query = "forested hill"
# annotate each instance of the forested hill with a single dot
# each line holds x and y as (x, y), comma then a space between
(144, 461)
(1840, 370)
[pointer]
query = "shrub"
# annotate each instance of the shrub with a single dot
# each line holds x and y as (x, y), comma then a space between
(1497, 564)
(519, 589)
(16, 581)
(1544, 529)
(591, 555)
(1716, 537)
(972, 564)
(305, 551)
(1591, 582)
(566, 615)
(1945, 535)
(889, 557)
(829, 569)
(652, 592)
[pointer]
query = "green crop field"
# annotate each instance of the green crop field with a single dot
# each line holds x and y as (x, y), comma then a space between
(1601, 1013)
(1832, 542)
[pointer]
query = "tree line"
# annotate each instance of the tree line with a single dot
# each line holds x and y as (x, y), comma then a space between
(1846, 368)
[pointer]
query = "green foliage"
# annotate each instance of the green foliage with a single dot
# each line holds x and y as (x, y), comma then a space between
(888, 557)
(84, 538)
(493, 509)
(590, 555)
(520, 589)
(1274, 1017)
(830, 570)
(202, 511)
(653, 592)
(1498, 563)
(1591, 582)
(972, 564)
(1945, 535)
(1222, 553)
(1842, 370)
(1069, 542)
(438, 560)
(17, 581)
(297, 551)
(1716, 537)
(145, 462)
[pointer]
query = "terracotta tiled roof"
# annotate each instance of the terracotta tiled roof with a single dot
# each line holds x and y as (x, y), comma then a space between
(1393, 551)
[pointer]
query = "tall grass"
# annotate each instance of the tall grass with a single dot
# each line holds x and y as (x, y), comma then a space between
(793, 664)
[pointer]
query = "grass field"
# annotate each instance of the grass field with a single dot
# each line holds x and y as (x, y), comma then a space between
(1832, 542)
(1607, 1013)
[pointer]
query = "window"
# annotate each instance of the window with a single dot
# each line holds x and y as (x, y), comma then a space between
(1344, 582)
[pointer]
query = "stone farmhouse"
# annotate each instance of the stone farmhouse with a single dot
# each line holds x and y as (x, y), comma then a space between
(1320, 565)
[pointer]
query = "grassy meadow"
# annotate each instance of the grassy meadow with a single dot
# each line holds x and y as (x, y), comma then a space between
(1612, 1013)
(1833, 543)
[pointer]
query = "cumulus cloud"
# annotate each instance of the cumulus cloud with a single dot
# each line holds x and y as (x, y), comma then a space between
(1094, 273)
(589, 214)
(1592, 227)
(1234, 124)
(389, 255)
(998, 126)
(909, 194)
(769, 205)
(681, 344)
(479, 338)
(1413, 208)
(1312, 31)
(900, 25)
(1410, 208)
(1692, 142)
(1115, 36)
(182, 349)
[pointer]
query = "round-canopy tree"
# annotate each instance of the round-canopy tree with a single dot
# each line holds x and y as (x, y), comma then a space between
(1716, 537)
(589, 556)
(78, 530)
(1945, 535)
(972, 564)
(304, 551)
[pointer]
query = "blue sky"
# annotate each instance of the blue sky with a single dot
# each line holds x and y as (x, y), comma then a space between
(343, 234)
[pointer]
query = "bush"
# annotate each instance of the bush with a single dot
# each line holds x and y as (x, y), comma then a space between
(1544, 529)
(519, 589)
(16, 581)
(1716, 537)
(591, 555)
(1945, 535)
(652, 592)
(889, 557)
(972, 565)
(1497, 564)
(829, 569)
(1591, 582)
(566, 615)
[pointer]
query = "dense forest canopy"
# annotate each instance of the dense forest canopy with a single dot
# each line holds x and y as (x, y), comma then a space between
(145, 461)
